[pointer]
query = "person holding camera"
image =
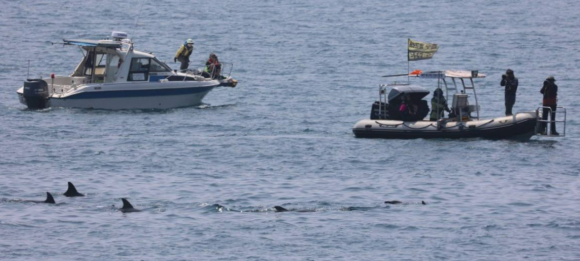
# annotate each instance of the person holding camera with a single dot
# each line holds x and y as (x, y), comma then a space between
(550, 92)
(511, 86)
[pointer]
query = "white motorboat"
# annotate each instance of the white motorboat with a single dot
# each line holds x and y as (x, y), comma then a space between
(112, 75)
(386, 120)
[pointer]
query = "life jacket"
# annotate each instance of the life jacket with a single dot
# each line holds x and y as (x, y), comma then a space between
(211, 63)
(213, 67)
(184, 51)
(438, 106)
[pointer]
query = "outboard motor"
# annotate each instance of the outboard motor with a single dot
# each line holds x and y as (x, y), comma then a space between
(36, 93)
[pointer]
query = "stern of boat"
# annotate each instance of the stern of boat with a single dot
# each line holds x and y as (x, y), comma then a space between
(559, 121)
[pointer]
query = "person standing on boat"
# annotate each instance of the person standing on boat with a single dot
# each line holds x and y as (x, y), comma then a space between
(511, 86)
(183, 54)
(438, 105)
(550, 92)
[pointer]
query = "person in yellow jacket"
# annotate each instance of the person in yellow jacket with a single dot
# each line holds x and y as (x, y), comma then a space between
(438, 105)
(183, 54)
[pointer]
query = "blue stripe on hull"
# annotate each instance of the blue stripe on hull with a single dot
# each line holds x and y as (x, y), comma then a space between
(156, 78)
(139, 93)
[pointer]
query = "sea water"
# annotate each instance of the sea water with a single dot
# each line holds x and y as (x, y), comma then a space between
(207, 178)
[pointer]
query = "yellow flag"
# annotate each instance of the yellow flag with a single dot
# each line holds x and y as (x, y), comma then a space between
(421, 51)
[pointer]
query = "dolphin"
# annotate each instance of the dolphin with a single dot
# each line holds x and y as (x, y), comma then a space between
(49, 199)
(282, 209)
(127, 207)
(72, 191)
(395, 202)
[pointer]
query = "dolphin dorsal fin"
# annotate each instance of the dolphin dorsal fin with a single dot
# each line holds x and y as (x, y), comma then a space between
(49, 198)
(72, 191)
(280, 209)
(126, 204)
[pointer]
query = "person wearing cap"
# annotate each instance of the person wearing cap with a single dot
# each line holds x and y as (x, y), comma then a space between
(550, 92)
(183, 54)
(511, 86)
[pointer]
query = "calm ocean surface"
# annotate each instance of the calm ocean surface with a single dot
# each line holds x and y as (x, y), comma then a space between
(308, 71)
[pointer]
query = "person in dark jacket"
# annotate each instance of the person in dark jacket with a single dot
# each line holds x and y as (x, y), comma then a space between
(550, 92)
(183, 54)
(511, 86)
(403, 110)
(408, 109)
(438, 105)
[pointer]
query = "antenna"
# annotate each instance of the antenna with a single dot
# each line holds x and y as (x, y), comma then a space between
(28, 71)
(137, 20)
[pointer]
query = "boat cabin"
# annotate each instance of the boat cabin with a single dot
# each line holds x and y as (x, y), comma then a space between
(456, 84)
(107, 61)
(388, 106)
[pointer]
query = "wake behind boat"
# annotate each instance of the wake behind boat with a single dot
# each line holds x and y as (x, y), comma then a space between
(112, 75)
(388, 121)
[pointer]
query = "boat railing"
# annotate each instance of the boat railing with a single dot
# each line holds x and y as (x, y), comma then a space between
(225, 72)
(461, 87)
(227, 69)
(194, 74)
(383, 101)
(542, 124)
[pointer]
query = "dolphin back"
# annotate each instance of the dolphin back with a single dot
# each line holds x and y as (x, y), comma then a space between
(280, 209)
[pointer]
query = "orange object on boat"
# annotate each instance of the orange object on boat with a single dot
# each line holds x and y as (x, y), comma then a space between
(416, 72)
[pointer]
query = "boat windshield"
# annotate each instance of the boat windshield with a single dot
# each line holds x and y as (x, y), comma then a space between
(146, 69)
(158, 66)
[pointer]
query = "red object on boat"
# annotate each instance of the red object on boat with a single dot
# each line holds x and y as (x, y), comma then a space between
(416, 72)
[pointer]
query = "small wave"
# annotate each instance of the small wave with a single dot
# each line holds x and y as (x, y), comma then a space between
(215, 208)
(520, 204)
(209, 106)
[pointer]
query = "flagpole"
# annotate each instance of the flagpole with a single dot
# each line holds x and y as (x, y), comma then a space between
(408, 63)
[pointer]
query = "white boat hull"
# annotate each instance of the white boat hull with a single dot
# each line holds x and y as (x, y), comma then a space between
(131, 96)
